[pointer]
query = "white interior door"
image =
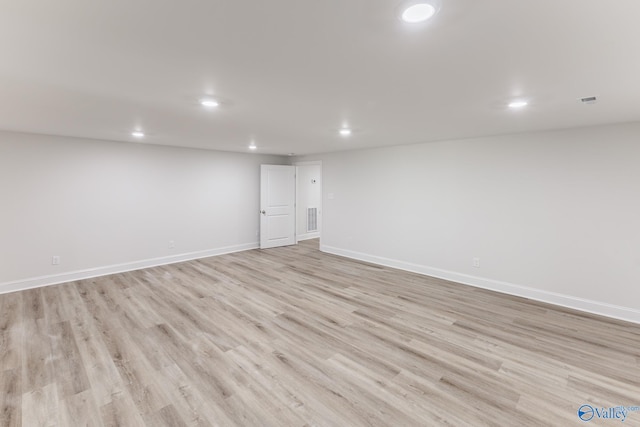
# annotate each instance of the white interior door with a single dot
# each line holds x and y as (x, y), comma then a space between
(277, 206)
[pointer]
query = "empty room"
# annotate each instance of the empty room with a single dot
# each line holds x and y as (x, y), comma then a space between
(319, 213)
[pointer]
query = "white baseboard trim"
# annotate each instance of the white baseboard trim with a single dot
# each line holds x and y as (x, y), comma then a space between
(54, 279)
(568, 301)
(308, 236)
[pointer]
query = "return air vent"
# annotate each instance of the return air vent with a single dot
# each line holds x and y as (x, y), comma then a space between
(312, 219)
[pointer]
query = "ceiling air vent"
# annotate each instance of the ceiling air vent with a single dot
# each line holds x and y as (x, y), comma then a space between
(588, 100)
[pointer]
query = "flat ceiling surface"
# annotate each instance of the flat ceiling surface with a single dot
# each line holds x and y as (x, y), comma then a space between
(291, 73)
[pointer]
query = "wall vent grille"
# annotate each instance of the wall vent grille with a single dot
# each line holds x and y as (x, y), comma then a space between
(312, 219)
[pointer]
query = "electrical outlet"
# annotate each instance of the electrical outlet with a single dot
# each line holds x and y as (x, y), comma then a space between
(476, 262)
(55, 260)
(172, 244)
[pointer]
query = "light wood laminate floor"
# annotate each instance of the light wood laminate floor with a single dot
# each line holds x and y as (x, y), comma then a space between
(294, 337)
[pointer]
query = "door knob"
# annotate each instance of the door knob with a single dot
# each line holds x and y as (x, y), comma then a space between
(263, 212)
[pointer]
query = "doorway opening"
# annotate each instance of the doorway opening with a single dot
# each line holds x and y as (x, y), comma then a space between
(290, 203)
(308, 200)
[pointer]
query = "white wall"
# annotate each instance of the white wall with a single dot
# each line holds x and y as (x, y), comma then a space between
(107, 206)
(553, 216)
(308, 195)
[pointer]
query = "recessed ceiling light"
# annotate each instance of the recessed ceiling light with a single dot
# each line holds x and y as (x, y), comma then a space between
(252, 146)
(209, 103)
(518, 104)
(419, 11)
(137, 133)
(345, 132)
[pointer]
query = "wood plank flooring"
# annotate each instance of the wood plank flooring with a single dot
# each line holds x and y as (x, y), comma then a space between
(294, 337)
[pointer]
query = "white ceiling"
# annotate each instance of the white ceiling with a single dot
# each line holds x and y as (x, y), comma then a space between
(292, 72)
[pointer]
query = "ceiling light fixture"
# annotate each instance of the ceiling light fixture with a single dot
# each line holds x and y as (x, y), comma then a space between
(209, 103)
(137, 134)
(518, 104)
(345, 132)
(252, 146)
(414, 12)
